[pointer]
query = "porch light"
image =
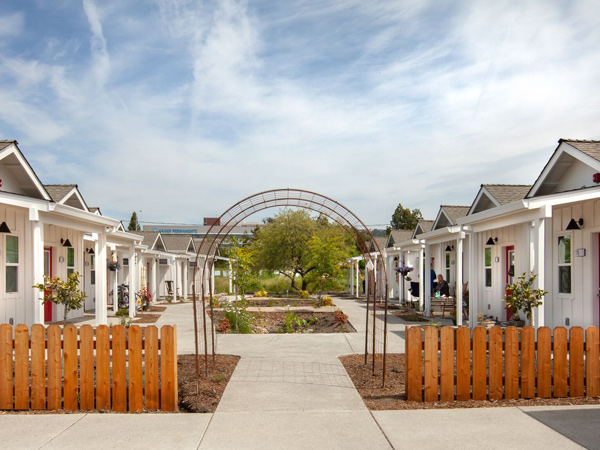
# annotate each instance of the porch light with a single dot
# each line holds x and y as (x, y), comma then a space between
(90, 251)
(573, 225)
(65, 243)
(448, 249)
(491, 241)
(4, 228)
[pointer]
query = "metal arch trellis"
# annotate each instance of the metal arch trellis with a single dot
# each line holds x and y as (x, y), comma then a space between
(377, 287)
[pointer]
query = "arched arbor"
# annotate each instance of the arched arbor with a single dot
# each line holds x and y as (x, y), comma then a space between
(377, 290)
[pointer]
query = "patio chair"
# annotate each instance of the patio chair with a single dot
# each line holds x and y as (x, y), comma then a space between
(414, 291)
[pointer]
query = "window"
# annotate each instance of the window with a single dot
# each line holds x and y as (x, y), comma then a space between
(70, 260)
(92, 269)
(447, 267)
(12, 263)
(564, 264)
(488, 266)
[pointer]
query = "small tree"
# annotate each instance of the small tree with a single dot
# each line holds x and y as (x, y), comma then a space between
(64, 293)
(522, 296)
(404, 218)
(134, 224)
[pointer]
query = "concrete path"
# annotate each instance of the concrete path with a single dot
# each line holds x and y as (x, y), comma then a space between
(292, 392)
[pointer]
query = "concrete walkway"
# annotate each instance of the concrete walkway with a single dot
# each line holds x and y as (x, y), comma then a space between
(291, 391)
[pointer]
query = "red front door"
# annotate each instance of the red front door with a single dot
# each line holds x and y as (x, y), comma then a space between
(510, 272)
(48, 271)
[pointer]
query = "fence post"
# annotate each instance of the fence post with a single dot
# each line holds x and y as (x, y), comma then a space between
(592, 359)
(431, 364)
(86, 364)
(544, 368)
(38, 367)
(6, 366)
(479, 363)
(576, 362)
(102, 367)
(413, 365)
(119, 366)
(151, 360)
(527, 362)
(463, 364)
(495, 370)
(168, 361)
(136, 396)
(511, 354)
(70, 367)
(447, 364)
(54, 367)
(21, 367)
(560, 362)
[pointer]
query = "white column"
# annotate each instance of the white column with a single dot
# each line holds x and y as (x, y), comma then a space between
(174, 268)
(115, 284)
(459, 279)
(357, 279)
(212, 277)
(539, 266)
(37, 239)
(133, 279)
(230, 277)
(422, 279)
(101, 280)
(154, 283)
(186, 268)
(427, 287)
(473, 279)
(351, 278)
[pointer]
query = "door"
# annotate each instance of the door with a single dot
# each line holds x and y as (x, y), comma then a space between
(48, 271)
(510, 272)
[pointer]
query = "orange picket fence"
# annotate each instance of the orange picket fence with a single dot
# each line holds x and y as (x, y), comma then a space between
(450, 364)
(88, 368)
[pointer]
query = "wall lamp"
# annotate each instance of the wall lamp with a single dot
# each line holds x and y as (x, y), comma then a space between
(573, 224)
(491, 241)
(89, 251)
(4, 228)
(65, 243)
(449, 249)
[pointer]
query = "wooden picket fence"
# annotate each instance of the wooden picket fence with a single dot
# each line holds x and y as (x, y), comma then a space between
(90, 368)
(450, 364)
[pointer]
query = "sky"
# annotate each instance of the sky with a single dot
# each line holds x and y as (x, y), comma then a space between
(177, 109)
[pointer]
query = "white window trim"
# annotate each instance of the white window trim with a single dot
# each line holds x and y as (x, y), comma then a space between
(491, 267)
(17, 265)
(557, 264)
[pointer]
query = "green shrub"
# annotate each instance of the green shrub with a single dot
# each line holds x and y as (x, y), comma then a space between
(122, 312)
(239, 319)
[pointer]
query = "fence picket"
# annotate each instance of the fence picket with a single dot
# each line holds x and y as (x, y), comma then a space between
(431, 364)
(151, 368)
(102, 367)
(54, 367)
(38, 367)
(119, 368)
(21, 367)
(6, 366)
(592, 362)
(86, 362)
(414, 368)
(168, 364)
(463, 364)
(447, 365)
(527, 362)
(560, 362)
(136, 395)
(511, 355)
(576, 362)
(479, 363)
(544, 367)
(496, 387)
(70, 388)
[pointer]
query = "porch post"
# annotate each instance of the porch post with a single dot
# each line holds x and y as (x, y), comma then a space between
(459, 279)
(154, 284)
(133, 272)
(185, 268)
(473, 279)
(539, 263)
(174, 267)
(101, 280)
(230, 277)
(115, 283)
(422, 277)
(351, 278)
(427, 287)
(37, 228)
(356, 279)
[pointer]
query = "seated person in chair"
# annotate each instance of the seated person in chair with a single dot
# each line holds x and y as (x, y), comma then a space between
(442, 287)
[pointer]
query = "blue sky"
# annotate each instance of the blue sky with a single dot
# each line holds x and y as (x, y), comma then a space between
(179, 109)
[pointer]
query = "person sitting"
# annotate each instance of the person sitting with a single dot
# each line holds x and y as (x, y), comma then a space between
(442, 287)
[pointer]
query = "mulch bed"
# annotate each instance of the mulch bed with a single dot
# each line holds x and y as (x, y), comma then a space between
(145, 318)
(210, 390)
(391, 397)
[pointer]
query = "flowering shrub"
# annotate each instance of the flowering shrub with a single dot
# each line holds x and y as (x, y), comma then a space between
(327, 301)
(303, 294)
(340, 317)
(224, 325)
(145, 298)
(261, 294)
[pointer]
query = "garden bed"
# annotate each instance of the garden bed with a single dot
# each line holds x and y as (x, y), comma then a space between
(206, 398)
(266, 322)
(391, 397)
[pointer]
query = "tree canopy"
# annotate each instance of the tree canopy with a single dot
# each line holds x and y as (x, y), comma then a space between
(296, 245)
(404, 218)
(134, 225)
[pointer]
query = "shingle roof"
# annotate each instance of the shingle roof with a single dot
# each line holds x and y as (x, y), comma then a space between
(6, 142)
(95, 209)
(401, 235)
(176, 243)
(590, 148)
(507, 193)
(59, 191)
(149, 237)
(455, 212)
(426, 225)
(381, 241)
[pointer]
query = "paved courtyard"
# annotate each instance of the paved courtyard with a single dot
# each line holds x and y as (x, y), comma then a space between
(291, 391)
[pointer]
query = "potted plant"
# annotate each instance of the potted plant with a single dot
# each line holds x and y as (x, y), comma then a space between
(521, 296)
(404, 270)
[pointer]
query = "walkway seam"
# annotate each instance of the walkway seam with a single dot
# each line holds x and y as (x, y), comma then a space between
(380, 429)
(205, 430)
(54, 437)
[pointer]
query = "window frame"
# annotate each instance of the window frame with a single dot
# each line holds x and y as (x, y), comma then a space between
(70, 268)
(487, 268)
(8, 264)
(560, 265)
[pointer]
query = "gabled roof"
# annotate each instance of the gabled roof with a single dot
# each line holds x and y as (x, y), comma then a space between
(67, 194)
(398, 236)
(570, 168)
(448, 215)
(95, 210)
(423, 226)
(493, 195)
(179, 243)
(18, 177)
(380, 240)
(153, 240)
